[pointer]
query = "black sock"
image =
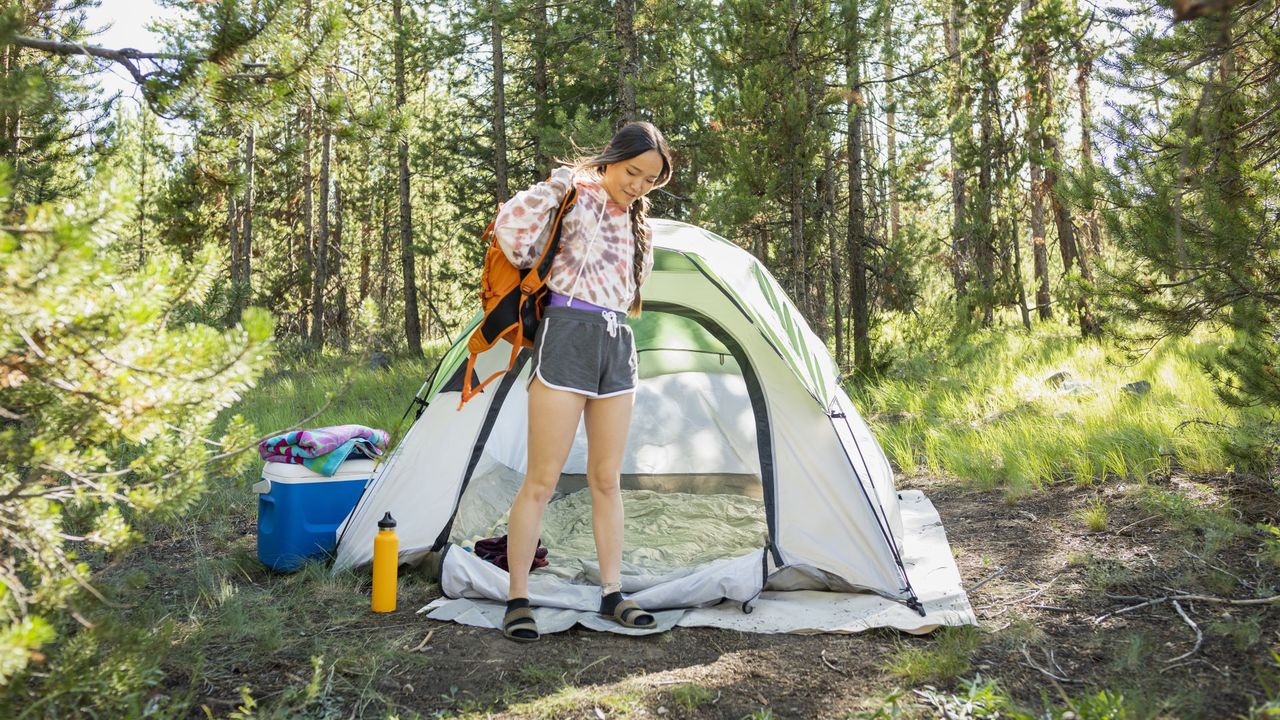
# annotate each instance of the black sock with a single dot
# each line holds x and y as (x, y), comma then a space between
(517, 603)
(609, 602)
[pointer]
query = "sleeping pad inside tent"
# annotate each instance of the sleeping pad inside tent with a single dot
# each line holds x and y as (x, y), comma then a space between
(754, 495)
(691, 474)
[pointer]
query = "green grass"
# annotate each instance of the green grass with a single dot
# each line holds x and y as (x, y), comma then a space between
(1094, 515)
(211, 620)
(982, 409)
(690, 696)
(176, 630)
(942, 657)
(1195, 509)
(341, 389)
(613, 701)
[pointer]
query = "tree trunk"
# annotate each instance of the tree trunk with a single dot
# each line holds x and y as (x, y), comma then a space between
(1072, 255)
(142, 190)
(384, 258)
(1035, 49)
(542, 161)
(233, 231)
(1010, 181)
(983, 232)
(308, 214)
(629, 55)
(796, 189)
(1084, 69)
(320, 280)
(956, 106)
(856, 239)
(246, 237)
(761, 237)
(412, 326)
(499, 106)
(338, 251)
(833, 242)
(6, 68)
(366, 227)
(821, 219)
(889, 52)
(1023, 310)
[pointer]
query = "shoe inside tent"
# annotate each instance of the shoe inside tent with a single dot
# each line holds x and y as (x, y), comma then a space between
(750, 482)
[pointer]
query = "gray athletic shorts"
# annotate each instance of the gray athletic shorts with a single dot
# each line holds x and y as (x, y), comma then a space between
(588, 352)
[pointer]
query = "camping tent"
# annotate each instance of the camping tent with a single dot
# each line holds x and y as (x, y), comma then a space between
(747, 465)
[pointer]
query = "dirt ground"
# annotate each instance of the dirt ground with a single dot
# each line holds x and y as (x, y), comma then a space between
(1045, 580)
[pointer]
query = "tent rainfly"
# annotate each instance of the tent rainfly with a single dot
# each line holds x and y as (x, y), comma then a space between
(747, 466)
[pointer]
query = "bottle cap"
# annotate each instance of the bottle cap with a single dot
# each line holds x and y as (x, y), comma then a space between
(387, 521)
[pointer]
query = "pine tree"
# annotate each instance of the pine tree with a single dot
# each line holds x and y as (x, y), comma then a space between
(47, 106)
(105, 401)
(1193, 197)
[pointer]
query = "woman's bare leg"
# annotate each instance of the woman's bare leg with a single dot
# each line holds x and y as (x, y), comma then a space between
(607, 421)
(554, 416)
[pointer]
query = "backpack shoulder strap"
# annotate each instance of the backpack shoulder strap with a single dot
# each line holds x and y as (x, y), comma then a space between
(531, 282)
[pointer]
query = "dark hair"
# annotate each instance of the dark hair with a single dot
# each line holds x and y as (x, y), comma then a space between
(635, 138)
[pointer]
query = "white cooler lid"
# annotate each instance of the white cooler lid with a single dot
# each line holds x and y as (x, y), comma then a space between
(290, 473)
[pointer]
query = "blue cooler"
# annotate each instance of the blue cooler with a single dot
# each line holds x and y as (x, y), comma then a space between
(299, 511)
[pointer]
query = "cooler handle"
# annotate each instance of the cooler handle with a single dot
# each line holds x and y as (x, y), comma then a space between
(262, 487)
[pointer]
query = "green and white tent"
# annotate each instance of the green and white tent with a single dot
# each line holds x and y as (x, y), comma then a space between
(747, 466)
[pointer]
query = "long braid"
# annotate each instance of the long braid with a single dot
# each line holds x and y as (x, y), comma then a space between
(640, 231)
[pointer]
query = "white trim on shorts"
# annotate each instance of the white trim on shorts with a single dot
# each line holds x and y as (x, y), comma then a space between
(585, 393)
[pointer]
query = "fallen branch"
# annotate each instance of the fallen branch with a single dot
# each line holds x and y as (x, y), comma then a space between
(423, 645)
(1220, 569)
(1188, 597)
(1032, 596)
(986, 580)
(1046, 671)
(1136, 522)
(1193, 661)
(1199, 635)
(830, 664)
(1040, 592)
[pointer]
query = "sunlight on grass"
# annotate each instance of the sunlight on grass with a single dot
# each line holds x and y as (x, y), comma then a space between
(353, 393)
(1016, 411)
(691, 696)
(614, 702)
(942, 658)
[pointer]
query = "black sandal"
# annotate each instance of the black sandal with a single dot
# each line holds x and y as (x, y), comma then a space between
(518, 624)
(628, 614)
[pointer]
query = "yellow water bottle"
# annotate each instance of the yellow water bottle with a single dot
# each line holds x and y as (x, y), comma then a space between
(386, 557)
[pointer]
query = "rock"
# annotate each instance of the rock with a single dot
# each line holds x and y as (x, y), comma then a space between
(1076, 388)
(1139, 388)
(1057, 378)
(379, 361)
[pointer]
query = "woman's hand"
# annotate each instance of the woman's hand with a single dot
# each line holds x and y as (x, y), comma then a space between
(562, 179)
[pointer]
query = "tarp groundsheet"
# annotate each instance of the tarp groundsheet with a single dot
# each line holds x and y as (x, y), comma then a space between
(927, 557)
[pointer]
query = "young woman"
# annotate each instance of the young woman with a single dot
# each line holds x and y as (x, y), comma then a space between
(584, 357)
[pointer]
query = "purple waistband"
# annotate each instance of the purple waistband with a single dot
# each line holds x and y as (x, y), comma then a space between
(558, 300)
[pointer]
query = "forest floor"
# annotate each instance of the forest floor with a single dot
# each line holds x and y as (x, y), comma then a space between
(249, 642)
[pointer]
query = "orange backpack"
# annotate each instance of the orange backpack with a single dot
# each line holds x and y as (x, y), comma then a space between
(512, 298)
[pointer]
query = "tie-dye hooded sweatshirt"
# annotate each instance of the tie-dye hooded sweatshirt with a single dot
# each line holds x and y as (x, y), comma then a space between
(597, 248)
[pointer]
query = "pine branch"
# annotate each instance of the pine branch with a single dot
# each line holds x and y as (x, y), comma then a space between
(123, 56)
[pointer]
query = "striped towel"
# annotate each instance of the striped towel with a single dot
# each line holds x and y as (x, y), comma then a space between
(323, 449)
